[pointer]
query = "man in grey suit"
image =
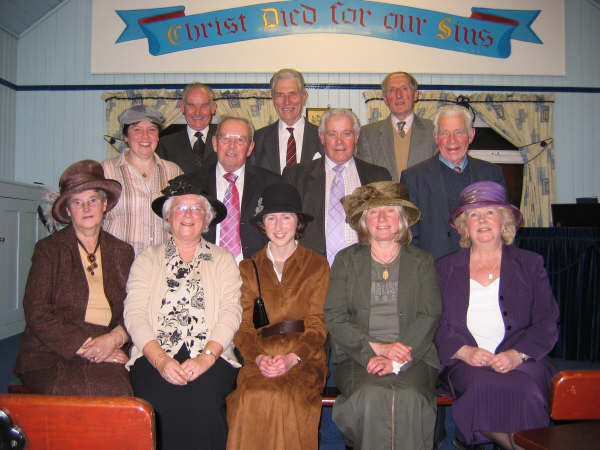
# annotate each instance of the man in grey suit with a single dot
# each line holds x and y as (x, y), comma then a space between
(191, 148)
(292, 139)
(402, 139)
(435, 184)
(315, 180)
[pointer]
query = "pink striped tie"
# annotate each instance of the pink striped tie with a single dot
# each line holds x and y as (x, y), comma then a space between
(230, 227)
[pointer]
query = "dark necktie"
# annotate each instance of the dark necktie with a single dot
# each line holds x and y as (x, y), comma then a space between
(199, 145)
(290, 157)
(401, 128)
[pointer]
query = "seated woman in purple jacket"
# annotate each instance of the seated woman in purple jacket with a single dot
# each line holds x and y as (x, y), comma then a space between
(498, 322)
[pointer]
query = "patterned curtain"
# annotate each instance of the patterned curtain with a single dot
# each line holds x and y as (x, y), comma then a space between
(428, 104)
(253, 104)
(526, 121)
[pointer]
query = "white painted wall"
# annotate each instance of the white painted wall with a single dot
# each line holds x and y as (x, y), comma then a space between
(8, 97)
(54, 129)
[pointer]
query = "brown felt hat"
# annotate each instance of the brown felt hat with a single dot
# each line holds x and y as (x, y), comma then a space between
(79, 177)
(380, 193)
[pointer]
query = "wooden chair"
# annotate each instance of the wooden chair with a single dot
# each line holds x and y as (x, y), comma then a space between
(575, 396)
(66, 422)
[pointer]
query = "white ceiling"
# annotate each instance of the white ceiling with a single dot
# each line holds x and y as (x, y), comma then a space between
(18, 16)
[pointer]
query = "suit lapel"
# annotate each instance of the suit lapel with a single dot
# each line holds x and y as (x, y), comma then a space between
(386, 137)
(310, 142)
(362, 273)
(272, 147)
(249, 196)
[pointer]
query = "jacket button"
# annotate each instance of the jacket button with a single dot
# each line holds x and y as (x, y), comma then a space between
(505, 313)
(509, 328)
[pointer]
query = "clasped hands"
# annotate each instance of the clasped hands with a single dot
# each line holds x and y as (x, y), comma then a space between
(104, 348)
(381, 363)
(183, 373)
(478, 357)
(277, 365)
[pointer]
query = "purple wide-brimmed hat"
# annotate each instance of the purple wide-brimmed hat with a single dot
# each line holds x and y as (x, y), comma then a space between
(482, 194)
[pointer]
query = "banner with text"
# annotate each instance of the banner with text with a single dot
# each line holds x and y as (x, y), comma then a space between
(319, 36)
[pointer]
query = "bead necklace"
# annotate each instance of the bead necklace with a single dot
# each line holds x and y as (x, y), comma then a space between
(90, 256)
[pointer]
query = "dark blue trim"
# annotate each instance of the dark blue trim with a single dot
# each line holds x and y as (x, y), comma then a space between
(345, 86)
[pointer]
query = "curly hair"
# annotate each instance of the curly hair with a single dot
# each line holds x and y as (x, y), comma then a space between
(508, 232)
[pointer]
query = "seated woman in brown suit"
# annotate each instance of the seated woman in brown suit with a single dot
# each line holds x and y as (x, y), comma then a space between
(74, 295)
(277, 404)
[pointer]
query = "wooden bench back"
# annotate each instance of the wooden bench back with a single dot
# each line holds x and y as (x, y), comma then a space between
(576, 395)
(52, 422)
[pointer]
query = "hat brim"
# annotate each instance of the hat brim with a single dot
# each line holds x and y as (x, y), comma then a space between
(111, 187)
(218, 207)
(259, 217)
(412, 212)
(483, 204)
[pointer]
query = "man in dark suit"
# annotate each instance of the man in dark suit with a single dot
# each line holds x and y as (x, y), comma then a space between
(191, 148)
(231, 177)
(315, 181)
(435, 184)
(402, 139)
(292, 139)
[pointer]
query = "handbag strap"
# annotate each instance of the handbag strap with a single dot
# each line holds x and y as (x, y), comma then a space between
(257, 279)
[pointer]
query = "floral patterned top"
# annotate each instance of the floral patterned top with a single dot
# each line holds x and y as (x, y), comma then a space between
(182, 319)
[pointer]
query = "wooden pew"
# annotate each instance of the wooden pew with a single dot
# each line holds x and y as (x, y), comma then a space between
(52, 422)
(575, 396)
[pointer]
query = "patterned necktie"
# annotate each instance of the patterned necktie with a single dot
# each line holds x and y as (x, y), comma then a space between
(401, 128)
(457, 169)
(198, 148)
(335, 240)
(230, 226)
(290, 157)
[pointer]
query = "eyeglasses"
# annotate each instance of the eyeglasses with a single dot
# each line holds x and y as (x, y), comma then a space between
(233, 138)
(195, 210)
(91, 202)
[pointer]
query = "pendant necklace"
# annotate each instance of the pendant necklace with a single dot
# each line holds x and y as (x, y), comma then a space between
(90, 256)
(491, 272)
(385, 263)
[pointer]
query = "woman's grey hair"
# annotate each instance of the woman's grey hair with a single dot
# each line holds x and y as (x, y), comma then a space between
(508, 232)
(452, 110)
(209, 212)
(404, 235)
(284, 74)
(339, 112)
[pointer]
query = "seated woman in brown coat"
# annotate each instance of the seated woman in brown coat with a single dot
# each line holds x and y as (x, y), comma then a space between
(277, 403)
(74, 295)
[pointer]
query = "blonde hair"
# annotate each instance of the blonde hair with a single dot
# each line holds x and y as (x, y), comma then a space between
(404, 235)
(508, 232)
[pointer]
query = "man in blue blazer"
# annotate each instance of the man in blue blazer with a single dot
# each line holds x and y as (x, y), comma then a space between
(402, 139)
(292, 139)
(435, 184)
(233, 144)
(191, 147)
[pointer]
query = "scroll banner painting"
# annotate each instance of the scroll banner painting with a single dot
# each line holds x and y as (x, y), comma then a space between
(522, 37)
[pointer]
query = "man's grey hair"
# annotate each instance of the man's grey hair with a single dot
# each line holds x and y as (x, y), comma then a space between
(453, 110)
(203, 86)
(339, 112)
(287, 73)
(243, 119)
(412, 81)
(209, 212)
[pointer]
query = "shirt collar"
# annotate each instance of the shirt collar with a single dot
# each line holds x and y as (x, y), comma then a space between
(192, 133)
(329, 164)
(407, 122)
(462, 166)
(221, 171)
(284, 126)
(122, 161)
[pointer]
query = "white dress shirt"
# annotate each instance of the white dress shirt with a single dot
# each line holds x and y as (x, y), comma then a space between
(192, 134)
(284, 135)
(484, 319)
(351, 182)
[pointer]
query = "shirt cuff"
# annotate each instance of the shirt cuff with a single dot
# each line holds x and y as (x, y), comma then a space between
(396, 366)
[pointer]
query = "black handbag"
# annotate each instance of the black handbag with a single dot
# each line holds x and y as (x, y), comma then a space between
(259, 317)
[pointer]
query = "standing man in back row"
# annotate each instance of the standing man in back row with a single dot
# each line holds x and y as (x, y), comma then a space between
(292, 139)
(191, 148)
(402, 139)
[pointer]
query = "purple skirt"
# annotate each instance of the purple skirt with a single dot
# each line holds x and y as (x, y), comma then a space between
(486, 401)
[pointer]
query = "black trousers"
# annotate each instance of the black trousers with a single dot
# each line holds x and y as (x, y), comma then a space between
(191, 416)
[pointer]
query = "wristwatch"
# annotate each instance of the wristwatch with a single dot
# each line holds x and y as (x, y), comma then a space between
(209, 353)
(523, 356)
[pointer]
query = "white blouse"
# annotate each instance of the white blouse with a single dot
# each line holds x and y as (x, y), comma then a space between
(484, 318)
